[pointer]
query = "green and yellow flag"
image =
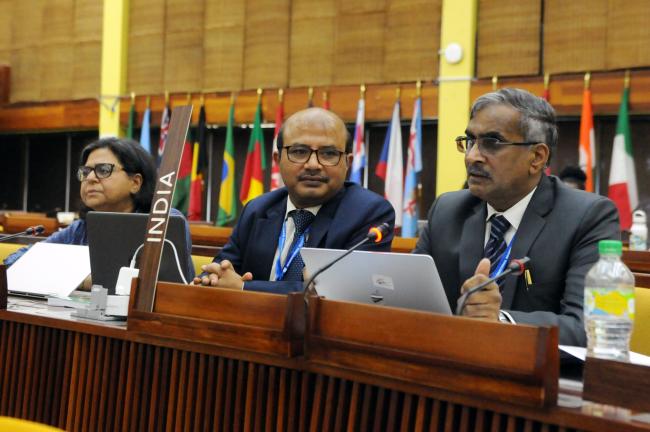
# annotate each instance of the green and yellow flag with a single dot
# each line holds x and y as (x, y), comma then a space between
(227, 191)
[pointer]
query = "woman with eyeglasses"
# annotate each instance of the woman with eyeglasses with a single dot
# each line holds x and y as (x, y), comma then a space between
(116, 175)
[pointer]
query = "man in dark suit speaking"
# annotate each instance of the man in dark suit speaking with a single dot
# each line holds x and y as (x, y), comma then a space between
(317, 208)
(511, 210)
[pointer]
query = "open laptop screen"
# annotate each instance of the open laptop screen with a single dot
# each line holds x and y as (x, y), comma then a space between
(113, 238)
(408, 281)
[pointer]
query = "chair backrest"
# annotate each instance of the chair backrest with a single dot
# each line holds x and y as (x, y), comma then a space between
(7, 249)
(641, 333)
(17, 223)
(20, 425)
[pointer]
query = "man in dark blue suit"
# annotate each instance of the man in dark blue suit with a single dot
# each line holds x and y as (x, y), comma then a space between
(317, 208)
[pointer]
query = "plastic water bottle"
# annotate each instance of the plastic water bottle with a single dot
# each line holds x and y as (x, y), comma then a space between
(609, 304)
(639, 231)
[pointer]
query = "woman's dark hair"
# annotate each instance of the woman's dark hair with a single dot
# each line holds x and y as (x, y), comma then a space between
(134, 160)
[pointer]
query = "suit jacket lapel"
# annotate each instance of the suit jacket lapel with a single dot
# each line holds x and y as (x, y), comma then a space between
(531, 225)
(471, 243)
(265, 238)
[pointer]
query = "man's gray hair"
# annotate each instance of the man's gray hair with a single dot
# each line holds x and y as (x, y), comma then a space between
(537, 115)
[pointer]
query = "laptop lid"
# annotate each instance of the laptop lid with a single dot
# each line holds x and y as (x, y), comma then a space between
(401, 280)
(114, 237)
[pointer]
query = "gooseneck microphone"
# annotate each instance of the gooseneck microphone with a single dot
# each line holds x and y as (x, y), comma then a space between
(516, 267)
(33, 230)
(375, 234)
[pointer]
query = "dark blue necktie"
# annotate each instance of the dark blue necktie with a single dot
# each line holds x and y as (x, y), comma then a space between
(301, 219)
(496, 244)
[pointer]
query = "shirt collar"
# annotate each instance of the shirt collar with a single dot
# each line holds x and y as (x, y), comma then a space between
(514, 214)
(290, 207)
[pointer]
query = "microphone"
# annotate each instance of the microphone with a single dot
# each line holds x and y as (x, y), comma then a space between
(515, 267)
(375, 234)
(33, 230)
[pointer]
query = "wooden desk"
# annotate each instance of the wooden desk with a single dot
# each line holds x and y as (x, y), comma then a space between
(82, 375)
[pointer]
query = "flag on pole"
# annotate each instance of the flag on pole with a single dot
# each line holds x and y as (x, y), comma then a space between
(390, 165)
(253, 180)
(587, 140)
(181, 198)
(413, 168)
(132, 119)
(164, 129)
(145, 133)
(546, 95)
(622, 175)
(199, 162)
(359, 145)
(276, 178)
(227, 192)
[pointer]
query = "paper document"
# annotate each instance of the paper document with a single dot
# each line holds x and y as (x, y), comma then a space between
(581, 353)
(49, 269)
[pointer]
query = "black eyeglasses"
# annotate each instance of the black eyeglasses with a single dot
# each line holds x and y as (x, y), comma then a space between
(486, 145)
(102, 171)
(325, 156)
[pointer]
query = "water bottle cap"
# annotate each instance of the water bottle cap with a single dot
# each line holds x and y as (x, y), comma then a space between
(610, 247)
(639, 217)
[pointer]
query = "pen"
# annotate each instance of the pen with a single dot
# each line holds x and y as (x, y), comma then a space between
(528, 278)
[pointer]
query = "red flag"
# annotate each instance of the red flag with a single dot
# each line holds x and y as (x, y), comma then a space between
(276, 178)
(252, 184)
(587, 140)
(199, 164)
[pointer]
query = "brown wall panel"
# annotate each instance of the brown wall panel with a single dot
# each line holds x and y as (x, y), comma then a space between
(359, 51)
(313, 26)
(412, 40)
(575, 35)
(58, 22)
(508, 37)
(223, 45)
(145, 50)
(6, 7)
(266, 46)
(628, 34)
(183, 58)
(86, 69)
(56, 79)
(25, 74)
(89, 20)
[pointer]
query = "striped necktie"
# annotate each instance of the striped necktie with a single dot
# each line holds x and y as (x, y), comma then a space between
(496, 244)
(302, 219)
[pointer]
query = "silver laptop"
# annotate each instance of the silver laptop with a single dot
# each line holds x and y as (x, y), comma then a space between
(391, 279)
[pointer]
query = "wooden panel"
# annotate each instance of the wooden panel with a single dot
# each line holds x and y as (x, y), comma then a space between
(313, 24)
(183, 58)
(86, 70)
(146, 47)
(628, 35)
(55, 77)
(266, 46)
(26, 23)
(58, 25)
(223, 45)
(89, 20)
(574, 35)
(413, 40)
(508, 37)
(6, 6)
(359, 51)
(26, 75)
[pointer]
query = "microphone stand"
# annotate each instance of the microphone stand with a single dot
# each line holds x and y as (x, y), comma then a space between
(29, 231)
(516, 266)
(308, 289)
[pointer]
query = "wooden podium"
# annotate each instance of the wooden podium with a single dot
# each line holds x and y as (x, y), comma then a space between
(211, 359)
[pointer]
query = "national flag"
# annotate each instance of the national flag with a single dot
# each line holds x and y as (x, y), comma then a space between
(276, 178)
(145, 133)
(546, 95)
(622, 175)
(227, 193)
(413, 168)
(132, 119)
(587, 140)
(390, 165)
(181, 198)
(359, 145)
(164, 129)
(252, 184)
(199, 165)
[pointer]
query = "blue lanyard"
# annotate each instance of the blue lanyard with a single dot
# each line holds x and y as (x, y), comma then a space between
(503, 262)
(280, 270)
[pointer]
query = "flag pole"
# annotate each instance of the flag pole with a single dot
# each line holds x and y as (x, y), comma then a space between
(366, 138)
(310, 97)
(418, 95)
(626, 80)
